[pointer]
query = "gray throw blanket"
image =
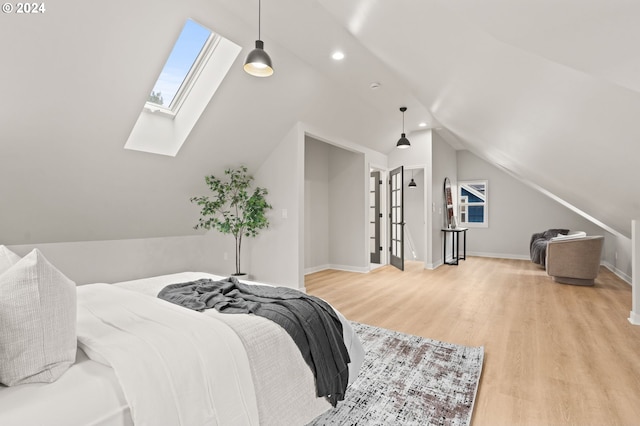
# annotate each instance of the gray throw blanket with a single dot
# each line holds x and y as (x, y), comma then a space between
(311, 322)
(538, 244)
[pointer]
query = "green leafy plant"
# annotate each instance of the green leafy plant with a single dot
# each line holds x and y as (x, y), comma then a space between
(233, 209)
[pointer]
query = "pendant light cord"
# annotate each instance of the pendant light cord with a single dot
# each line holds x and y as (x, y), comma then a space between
(259, 13)
(402, 121)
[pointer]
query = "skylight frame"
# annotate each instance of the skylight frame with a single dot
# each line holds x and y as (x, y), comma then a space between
(163, 134)
(190, 79)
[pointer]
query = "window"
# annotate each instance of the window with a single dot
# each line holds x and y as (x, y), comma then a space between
(193, 47)
(199, 62)
(473, 206)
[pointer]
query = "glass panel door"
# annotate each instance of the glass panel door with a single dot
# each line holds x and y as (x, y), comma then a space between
(396, 197)
(374, 217)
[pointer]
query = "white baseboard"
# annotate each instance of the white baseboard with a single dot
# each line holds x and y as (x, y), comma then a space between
(607, 265)
(433, 266)
(618, 272)
(634, 318)
(347, 268)
(374, 266)
(313, 269)
(500, 255)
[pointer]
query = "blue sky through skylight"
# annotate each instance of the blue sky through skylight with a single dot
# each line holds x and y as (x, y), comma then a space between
(184, 53)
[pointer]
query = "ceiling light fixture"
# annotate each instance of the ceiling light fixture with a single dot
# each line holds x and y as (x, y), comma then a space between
(338, 56)
(403, 142)
(412, 184)
(258, 62)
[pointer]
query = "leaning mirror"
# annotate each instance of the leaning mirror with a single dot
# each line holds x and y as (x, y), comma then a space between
(449, 218)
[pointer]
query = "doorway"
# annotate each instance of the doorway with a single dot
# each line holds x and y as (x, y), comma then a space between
(335, 221)
(415, 235)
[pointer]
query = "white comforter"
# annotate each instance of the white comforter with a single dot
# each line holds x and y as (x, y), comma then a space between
(179, 367)
(175, 366)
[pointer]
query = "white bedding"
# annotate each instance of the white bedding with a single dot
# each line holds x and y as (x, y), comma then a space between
(152, 286)
(88, 393)
(273, 384)
(175, 366)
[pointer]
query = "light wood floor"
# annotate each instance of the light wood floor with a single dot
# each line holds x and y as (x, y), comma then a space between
(554, 354)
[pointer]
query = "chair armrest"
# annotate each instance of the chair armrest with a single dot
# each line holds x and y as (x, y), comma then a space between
(576, 258)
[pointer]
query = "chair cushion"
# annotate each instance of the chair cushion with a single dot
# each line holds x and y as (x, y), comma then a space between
(570, 236)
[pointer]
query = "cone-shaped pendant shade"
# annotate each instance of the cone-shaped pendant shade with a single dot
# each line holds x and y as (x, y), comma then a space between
(258, 62)
(413, 184)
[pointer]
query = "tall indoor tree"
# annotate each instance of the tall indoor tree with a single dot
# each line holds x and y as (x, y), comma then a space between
(233, 208)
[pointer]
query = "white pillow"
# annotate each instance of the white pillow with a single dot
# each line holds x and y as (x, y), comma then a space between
(38, 316)
(570, 236)
(7, 259)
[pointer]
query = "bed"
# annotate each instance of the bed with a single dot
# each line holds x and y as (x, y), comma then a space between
(141, 360)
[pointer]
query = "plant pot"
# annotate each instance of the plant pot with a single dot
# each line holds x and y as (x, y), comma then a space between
(242, 276)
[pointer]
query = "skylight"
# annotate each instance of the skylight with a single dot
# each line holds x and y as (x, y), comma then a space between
(181, 67)
(198, 63)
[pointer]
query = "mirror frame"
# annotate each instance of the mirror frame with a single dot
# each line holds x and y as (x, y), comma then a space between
(448, 204)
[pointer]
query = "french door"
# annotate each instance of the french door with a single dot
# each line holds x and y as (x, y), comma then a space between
(396, 217)
(374, 217)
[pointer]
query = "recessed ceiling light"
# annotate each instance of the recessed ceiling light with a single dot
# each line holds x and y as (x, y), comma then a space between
(338, 56)
(375, 85)
(423, 124)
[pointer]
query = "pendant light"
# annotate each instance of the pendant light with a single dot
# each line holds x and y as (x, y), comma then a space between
(412, 184)
(403, 142)
(258, 62)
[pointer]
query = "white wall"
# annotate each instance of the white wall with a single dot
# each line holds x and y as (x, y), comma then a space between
(443, 165)
(618, 255)
(122, 260)
(221, 253)
(347, 214)
(634, 315)
(418, 156)
(69, 178)
(316, 205)
(335, 194)
(277, 254)
(414, 214)
(515, 210)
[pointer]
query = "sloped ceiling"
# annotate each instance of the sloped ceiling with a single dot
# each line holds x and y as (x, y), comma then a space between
(546, 90)
(72, 83)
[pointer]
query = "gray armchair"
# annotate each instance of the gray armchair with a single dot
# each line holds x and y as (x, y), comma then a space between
(574, 261)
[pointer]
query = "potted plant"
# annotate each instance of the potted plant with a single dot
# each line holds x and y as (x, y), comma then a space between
(233, 209)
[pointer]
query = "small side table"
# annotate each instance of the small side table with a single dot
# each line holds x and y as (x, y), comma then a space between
(455, 245)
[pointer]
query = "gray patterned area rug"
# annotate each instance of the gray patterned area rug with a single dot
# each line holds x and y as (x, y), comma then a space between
(409, 380)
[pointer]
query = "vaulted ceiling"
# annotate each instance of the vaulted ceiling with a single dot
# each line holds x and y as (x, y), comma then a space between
(548, 91)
